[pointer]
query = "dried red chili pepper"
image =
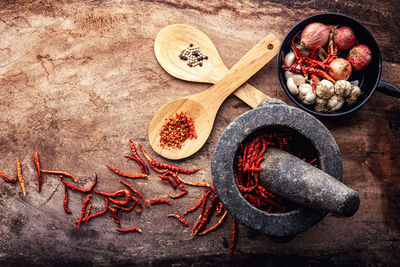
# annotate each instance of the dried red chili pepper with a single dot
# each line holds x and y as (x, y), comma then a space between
(196, 206)
(159, 201)
(60, 173)
(84, 204)
(176, 178)
(218, 224)
(20, 178)
(37, 165)
(144, 167)
(114, 213)
(179, 195)
(168, 180)
(73, 187)
(134, 190)
(98, 213)
(125, 193)
(151, 161)
(201, 184)
(182, 220)
(127, 175)
(205, 218)
(126, 230)
(8, 178)
(67, 210)
(174, 168)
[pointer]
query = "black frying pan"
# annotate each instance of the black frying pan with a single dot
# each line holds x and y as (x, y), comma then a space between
(369, 78)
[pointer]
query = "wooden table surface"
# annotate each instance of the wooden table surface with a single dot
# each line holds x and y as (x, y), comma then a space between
(79, 78)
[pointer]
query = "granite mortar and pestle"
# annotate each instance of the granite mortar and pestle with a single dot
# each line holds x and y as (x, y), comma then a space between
(316, 191)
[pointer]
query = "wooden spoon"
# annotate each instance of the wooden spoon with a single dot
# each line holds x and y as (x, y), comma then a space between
(203, 107)
(174, 38)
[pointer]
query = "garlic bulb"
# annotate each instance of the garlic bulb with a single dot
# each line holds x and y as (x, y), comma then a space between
(334, 103)
(289, 59)
(288, 74)
(320, 105)
(306, 94)
(292, 86)
(342, 88)
(325, 89)
(355, 92)
(298, 79)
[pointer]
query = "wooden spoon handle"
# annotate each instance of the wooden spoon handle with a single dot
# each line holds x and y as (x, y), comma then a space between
(246, 67)
(250, 95)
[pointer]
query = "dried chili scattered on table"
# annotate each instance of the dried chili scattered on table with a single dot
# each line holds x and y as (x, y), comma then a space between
(37, 165)
(8, 178)
(179, 195)
(20, 178)
(84, 205)
(179, 218)
(127, 175)
(67, 210)
(126, 230)
(159, 201)
(134, 190)
(218, 224)
(61, 173)
(143, 166)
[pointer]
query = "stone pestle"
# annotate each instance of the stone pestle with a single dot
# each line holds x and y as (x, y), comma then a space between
(293, 179)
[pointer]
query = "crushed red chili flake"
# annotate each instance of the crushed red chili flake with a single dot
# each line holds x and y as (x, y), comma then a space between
(177, 130)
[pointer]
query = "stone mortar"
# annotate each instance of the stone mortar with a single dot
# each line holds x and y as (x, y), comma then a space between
(271, 113)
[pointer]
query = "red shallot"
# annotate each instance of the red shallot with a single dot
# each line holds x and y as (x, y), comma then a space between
(344, 38)
(359, 57)
(340, 69)
(315, 35)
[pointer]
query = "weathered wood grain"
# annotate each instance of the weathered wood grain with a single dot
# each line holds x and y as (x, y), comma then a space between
(79, 78)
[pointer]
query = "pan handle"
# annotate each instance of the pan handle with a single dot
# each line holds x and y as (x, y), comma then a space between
(388, 89)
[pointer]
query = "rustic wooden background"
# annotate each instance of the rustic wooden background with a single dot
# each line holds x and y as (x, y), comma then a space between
(79, 78)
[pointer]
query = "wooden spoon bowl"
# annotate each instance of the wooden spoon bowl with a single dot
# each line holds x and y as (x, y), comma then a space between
(174, 38)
